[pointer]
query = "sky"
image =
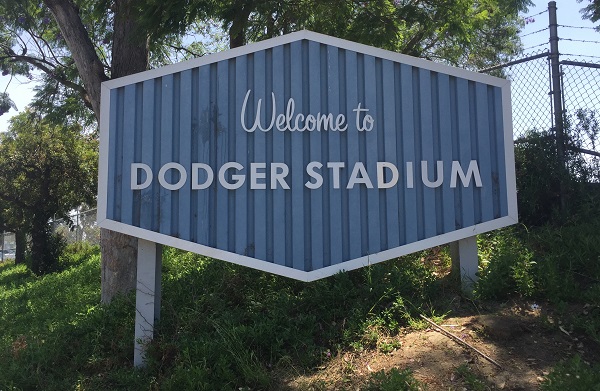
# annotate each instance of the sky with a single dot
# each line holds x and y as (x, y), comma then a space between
(568, 14)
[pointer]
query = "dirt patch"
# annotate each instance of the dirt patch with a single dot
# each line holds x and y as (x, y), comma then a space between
(521, 338)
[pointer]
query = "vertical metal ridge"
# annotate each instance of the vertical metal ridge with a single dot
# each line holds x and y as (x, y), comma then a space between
(287, 142)
(475, 152)
(203, 150)
(232, 130)
(352, 152)
(437, 153)
(127, 154)
(484, 155)
(408, 151)
(296, 166)
(147, 149)
(371, 145)
(397, 131)
(447, 150)
(306, 143)
(326, 105)
(390, 139)
(184, 154)
(257, 204)
(279, 154)
(173, 176)
(250, 233)
(381, 151)
(241, 151)
(316, 211)
(155, 190)
(194, 146)
(268, 75)
(426, 154)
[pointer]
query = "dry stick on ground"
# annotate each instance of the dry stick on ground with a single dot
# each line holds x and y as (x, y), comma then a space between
(460, 341)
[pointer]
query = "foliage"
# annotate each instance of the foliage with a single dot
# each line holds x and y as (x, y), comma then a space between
(55, 334)
(469, 33)
(542, 178)
(591, 11)
(227, 327)
(233, 324)
(47, 170)
(506, 265)
(539, 177)
(6, 103)
(574, 375)
(394, 380)
(222, 326)
(471, 380)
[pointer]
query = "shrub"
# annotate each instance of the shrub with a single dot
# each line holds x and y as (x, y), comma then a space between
(573, 375)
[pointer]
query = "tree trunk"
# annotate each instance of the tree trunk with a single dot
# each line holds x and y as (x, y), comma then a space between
(119, 251)
(42, 261)
(119, 264)
(237, 31)
(20, 244)
(129, 55)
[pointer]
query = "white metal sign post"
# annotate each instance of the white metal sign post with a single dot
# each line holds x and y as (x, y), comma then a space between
(147, 296)
(303, 155)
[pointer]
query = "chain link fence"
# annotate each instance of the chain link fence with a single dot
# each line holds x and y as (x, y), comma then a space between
(530, 93)
(82, 227)
(532, 105)
(581, 96)
(8, 246)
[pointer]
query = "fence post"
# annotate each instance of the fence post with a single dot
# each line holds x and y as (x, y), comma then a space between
(557, 94)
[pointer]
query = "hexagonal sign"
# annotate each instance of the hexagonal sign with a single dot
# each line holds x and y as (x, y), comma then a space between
(305, 155)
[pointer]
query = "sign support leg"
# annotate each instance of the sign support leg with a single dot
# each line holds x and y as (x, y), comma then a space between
(465, 262)
(147, 296)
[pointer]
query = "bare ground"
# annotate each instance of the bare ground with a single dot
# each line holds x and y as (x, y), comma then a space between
(523, 338)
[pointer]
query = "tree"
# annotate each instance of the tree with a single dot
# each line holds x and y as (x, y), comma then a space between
(77, 44)
(47, 170)
(466, 33)
(591, 11)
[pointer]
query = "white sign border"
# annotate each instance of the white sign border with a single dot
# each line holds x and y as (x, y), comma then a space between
(104, 222)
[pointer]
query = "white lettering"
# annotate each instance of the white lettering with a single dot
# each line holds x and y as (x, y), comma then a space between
(172, 166)
(257, 123)
(237, 178)
(310, 170)
(381, 183)
(472, 171)
(335, 171)
(210, 175)
(359, 175)
(135, 167)
(425, 176)
(255, 175)
(296, 122)
(410, 175)
(367, 122)
(261, 177)
(279, 177)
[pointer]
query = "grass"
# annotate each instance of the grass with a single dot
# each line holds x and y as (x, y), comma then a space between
(223, 326)
(230, 328)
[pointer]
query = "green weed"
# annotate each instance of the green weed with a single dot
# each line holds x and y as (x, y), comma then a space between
(573, 375)
(471, 380)
(393, 380)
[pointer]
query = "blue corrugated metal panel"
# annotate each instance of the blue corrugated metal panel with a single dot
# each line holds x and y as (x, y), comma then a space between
(423, 122)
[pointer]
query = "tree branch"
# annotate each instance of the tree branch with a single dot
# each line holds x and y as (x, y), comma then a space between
(39, 63)
(82, 49)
